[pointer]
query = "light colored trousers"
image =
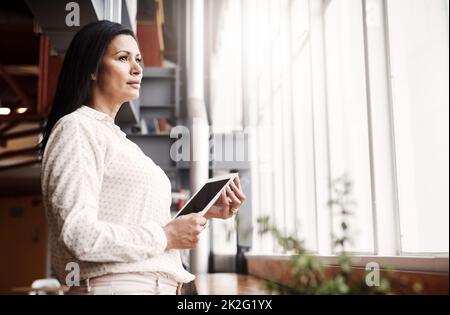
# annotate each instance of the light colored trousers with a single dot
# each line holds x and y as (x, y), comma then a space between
(128, 284)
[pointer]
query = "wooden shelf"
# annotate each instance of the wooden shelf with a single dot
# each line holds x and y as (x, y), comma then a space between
(22, 70)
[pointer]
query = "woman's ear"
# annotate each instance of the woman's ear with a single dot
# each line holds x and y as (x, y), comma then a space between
(93, 77)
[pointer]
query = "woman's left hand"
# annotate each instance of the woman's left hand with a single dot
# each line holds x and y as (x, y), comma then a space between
(228, 203)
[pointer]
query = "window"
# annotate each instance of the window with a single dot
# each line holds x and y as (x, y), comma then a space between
(418, 39)
(347, 115)
(340, 87)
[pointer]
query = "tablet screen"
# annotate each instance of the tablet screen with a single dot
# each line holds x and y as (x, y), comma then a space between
(204, 196)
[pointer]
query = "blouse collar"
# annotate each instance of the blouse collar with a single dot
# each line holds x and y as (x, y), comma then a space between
(93, 113)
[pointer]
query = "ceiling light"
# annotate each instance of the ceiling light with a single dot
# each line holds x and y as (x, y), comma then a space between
(21, 110)
(5, 111)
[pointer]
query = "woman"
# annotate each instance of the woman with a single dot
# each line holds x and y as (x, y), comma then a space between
(108, 204)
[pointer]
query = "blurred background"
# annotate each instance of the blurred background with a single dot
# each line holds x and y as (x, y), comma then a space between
(295, 94)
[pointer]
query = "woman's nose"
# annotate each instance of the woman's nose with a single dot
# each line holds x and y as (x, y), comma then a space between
(136, 68)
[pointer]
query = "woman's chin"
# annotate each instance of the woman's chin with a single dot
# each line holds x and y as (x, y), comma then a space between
(132, 97)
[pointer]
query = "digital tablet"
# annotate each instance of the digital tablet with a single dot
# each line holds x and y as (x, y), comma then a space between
(207, 195)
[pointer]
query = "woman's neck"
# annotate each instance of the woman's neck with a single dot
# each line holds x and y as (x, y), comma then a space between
(107, 106)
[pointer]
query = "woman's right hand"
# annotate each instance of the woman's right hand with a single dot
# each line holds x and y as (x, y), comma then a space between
(184, 231)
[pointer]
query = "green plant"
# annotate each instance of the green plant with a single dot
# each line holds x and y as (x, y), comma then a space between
(309, 274)
(236, 226)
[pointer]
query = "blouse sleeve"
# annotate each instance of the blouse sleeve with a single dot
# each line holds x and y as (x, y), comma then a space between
(72, 172)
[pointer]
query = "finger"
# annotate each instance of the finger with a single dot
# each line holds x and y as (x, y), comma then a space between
(201, 220)
(201, 227)
(199, 224)
(235, 181)
(224, 198)
(238, 182)
(198, 219)
(235, 200)
(229, 200)
(238, 192)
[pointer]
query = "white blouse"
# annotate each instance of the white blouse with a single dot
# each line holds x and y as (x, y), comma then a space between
(106, 201)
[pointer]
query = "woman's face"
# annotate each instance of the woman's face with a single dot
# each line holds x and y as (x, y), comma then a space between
(120, 74)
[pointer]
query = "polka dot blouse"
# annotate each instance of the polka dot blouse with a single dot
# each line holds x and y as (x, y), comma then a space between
(106, 201)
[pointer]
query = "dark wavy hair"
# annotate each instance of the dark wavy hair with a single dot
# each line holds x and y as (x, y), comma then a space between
(82, 59)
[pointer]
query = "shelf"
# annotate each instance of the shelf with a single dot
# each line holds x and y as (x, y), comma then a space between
(22, 70)
(159, 73)
(156, 146)
(168, 76)
(172, 106)
(158, 99)
(128, 113)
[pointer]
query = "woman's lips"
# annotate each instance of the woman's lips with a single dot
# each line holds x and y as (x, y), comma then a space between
(134, 85)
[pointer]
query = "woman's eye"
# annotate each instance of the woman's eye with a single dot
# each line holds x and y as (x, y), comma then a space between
(138, 60)
(123, 58)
